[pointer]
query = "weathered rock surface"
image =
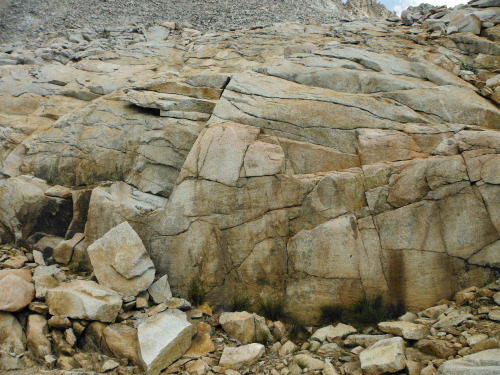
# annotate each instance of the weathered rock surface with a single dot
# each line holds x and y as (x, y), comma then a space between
(84, 300)
(163, 339)
(384, 356)
(121, 262)
(15, 292)
(242, 356)
(485, 362)
(312, 163)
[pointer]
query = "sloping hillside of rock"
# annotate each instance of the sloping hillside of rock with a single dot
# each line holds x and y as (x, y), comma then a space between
(304, 162)
(20, 19)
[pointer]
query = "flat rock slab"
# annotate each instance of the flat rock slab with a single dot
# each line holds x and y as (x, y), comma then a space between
(486, 362)
(163, 339)
(384, 356)
(84, 300)
(121, 261)
(242, 356)
(332, 333)
(408, 330)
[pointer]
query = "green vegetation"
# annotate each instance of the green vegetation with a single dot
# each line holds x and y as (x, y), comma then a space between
(264, 338)
(196, 296)
(365, 311)
(470, 68)
(297, 329)
(272, 309)
(240, 304)
(79, 267)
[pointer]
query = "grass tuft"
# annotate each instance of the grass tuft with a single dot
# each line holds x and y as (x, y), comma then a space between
(240, 304)
(272, 309)
(195, 293)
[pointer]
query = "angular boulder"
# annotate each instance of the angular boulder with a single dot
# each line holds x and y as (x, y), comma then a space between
(408, 330)
(384, 356)
(486, 362)
(121, 261)
(163, 339)
(242, 356)
(84, 300)
(160, 290)
(15, 292)
(332, 333)
(239, 325)
(121, 340)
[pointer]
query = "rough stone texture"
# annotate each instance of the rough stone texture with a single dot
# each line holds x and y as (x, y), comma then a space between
(163, 339)
(15, 292)
(239, 325)
(121, 262)
(332, 333)
(483, 363)
(11, 334)
(84, 300)
(36, 336)
(367, 163)
(384, 356)
(160, 290)
(122, 342)
(407, 330)
(242, 356)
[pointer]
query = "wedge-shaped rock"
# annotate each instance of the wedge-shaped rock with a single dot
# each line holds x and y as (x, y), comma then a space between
(486, 362)
(121, 261)
(160, 290)
(242, 356)
(410, 331)
(384, 356)
(163, 339)
(15, 292)
(84, 300)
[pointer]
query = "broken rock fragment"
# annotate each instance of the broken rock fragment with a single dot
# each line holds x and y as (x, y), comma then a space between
(121, 261)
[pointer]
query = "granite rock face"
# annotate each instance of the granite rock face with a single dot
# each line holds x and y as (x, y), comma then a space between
(312, 163)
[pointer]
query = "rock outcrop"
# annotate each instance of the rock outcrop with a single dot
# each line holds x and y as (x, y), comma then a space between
(312, 164)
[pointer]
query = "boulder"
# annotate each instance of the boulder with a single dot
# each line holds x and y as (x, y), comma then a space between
(122, 342)
(305, 360)
(84, 300)
(242, 356)
(63, 252)
(407, 330)
(332, 333)
(201, 344)
(45, 279)
(384, 356)
(163, 339)
(160, 290)
(121, 261)
(287, 349)
(239, 325)
(486, 362)
(37, 331)
(438, 348)
(11, 334)
(15, 292)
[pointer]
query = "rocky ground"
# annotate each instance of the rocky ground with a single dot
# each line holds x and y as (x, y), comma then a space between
(20, 19)
(73, 325)
(313, 163)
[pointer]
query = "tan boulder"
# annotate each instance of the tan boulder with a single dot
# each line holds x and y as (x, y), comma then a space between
(242, 356)
(84, 300)
(384, 356)
(407, 330)
(37, 331)
(15, 293)
(121, 262)
(122, 342)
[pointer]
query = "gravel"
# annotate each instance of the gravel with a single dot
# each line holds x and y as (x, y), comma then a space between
(22, 19)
